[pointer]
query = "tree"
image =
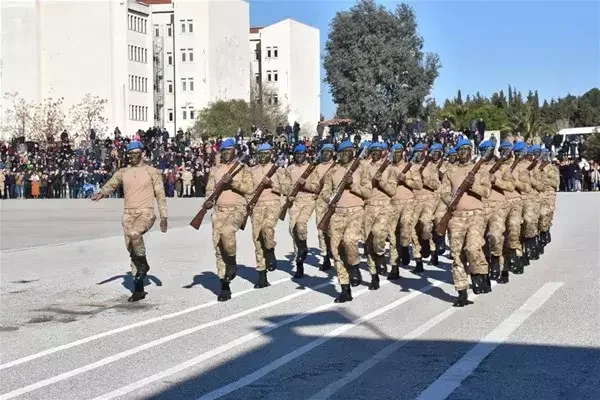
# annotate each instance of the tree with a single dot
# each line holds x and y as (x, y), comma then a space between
(48, 119)
(18, 116)
(272, 110)
(223, 118)
(591, 146)
(375, 66)
(88, 115)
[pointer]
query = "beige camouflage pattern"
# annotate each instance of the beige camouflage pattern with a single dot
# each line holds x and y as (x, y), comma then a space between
(495, 225)
(514, 220)
(264, 220)
(226, 221)
(135, 224)
(313, 184)
(300, 213)
(377, 228)
(465, 231)
(400, 227)
(422, 222)
(548, 200)
(346, 231)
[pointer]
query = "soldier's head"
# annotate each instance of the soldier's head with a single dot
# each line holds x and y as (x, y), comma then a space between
(376, 151)
(364, 145)
(300, 154)
(436, 152)
(227, 150)
(505, 149)
(345, 152)
(536, 150)
(397, 153)
(486, 149)
(327, 152)
(463, 150)
(134, 153)
(452, 156)
(419, 152)
(520, 149)
(263, 155)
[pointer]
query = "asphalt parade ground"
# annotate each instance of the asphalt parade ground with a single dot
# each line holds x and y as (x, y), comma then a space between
(67, 331)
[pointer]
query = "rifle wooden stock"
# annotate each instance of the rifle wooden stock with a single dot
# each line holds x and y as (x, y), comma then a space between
(543, 164)
(297, 187)
(532, 165)
(464, 186)
(197, 221)
(514, 164)
(259, 189)
(424, 165)
(496, 165)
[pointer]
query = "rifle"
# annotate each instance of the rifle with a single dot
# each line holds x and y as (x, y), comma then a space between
(384, 165)
(407, 168)
(219, 188)
(424, 165)
(322, 180)
(338, 191)
(464, 186)
(532, 165)
(259, 189)
(297, 187)
(439, 166)
(514, 164)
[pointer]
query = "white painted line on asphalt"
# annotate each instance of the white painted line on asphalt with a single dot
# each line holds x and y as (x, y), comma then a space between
(280, 362)
(154, 343)
(244, 339)
(125, 328)
(450, 380)
(381, 355)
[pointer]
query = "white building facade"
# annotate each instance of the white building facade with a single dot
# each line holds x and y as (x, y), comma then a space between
(286, 59)
(201, 56)
(68, 49)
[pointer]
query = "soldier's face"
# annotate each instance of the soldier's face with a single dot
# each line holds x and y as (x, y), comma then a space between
(397, 157)
(263, 157)
(326, 155)
(490, 155)
(135, 157)
(376, 155)
(299, 158)
(536, 154)
(435, 156)
(418, 156)
(346, 156)
(227, 155)
(452, 158)
(464, 154)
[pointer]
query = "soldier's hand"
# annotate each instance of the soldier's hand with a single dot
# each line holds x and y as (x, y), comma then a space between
(493, 179)
(348, 179)
(291, 199)
(401, 176)
(377, 176)
(97, 196)
(301, 181)
(163, 225)
(208, 205)
(226, 178)
(267, 181)
(470, 179)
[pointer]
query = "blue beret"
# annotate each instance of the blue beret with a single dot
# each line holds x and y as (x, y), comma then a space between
(530, 150)
(364, 144)
(227, 144)
(328, 146)
(300, 149)
(264, 147)
(505, 145)
(452, 151)
(376, 145)
(134, 146)
(545, 150)
(519, 146)
(384, 146)
(536, 147)
(463, 142)
(419, 147)
(436, 147)
(397, 146)
(486, 144)
(345, 145)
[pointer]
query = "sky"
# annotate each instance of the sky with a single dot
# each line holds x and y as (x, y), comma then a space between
(551, 46)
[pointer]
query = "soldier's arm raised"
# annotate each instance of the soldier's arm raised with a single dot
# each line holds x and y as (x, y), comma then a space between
(431, 179)
(553, 178)
(211, 183)
(328, 188)
(446, 192)
(313, 182)
(159, 192)
(286, 181)
(505, 181)
(276, 185)
(362, 187)
(388, 182)
(413, 180)
(112, 184)
(482, 188)
(243, 182)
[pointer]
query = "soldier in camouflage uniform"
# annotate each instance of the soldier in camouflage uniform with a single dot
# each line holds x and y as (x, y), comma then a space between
(532, 205)
(229, 213)
(403, 209)
(301, 209)
(346, 224)
(141, 185)
(436, 243)
(378, 212)
(552, 181)
(441, 209)
(314, 185)
(265, 214)
(467, 226)
(517, 259)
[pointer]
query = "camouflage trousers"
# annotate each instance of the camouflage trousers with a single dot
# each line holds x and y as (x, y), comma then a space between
(439, 213)
(495, 225)
(377, 227)
(300, 213)
(401, 226)
(264, 220)
(531, 216)
(465, 230)
(346, 231)
(548, 201)
(135, 224)
(423, 222)
(226, 221)
(514, 219)
(321, 208)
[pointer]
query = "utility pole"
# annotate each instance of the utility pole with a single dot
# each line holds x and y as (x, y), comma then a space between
(174, 30)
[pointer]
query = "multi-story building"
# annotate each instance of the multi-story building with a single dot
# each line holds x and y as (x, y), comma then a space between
(200, 56)
(286, 59)
(69, 49)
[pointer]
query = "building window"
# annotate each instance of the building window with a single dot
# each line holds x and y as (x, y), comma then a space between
(192, 113)
(191, 55)
(183, 55)
(269, 76)
(170, 86)
(146, 56)
(169, 30)
(191, 82)
(275, 99)
(275, 53)
(268, 52)
(183, 84)
(256, 55)
(170, 114)
(190, 26)
(182, 26)
(275, 76)
(184, 113)
(145, 27)
(156, 31)
(169, 58)
(257, 77)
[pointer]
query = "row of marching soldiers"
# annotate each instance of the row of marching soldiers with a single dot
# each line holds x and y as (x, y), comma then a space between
(498, 210)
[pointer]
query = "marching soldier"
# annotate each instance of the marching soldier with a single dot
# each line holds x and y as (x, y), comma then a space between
(229, 214)
(314, 185)
(403, 210)
(301, 209)
(346, 224)
(141, 185)
(467, 226)
(531, 206)
(265, 214)
(552, 182)
(441, 209)
(365, 145)
(378, 211)
(515, 221)
(436, 241)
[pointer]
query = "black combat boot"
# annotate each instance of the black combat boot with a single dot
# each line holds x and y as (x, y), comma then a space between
(230, 268)
(494, 267)
(299, 269)
(548, 237)
(440, 244)
(302, 250)
(355, 277)
(462, 299)
(345, 296)
(394, 273)
(142, 268)
(477, 283)
(532, 245)
(380, 264)
(262, 280)
(419, 267)
(520, 265)
(540, 244)
(503, 277)
(374, 285)
(404, 255)
(271, 260)
(512, 260)
(434, 259)
(225, 291)
(326, 266)
(425, 248)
